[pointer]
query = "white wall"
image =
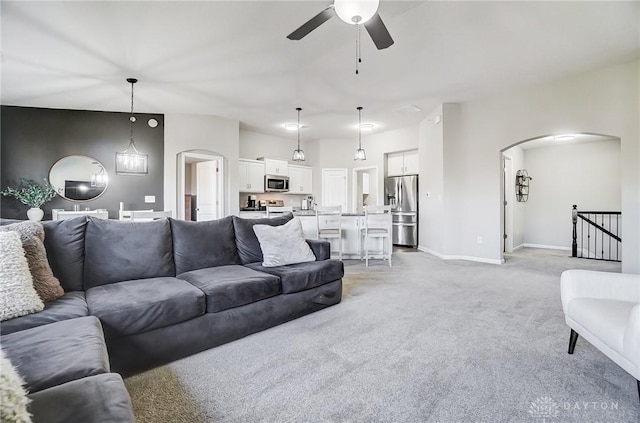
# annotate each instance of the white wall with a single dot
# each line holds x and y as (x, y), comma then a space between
(338, 153)
(431, 170)
(254, 145)
(586, 174)
(184, 132)
(603, 101)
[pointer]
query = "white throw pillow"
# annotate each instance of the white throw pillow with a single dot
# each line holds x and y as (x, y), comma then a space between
(17, 294)
(13, 397)
(284, 244)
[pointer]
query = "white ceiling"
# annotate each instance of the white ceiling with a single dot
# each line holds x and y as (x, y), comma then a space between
(232, 58)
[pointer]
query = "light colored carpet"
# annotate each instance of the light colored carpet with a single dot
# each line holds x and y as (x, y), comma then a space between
(425, 341)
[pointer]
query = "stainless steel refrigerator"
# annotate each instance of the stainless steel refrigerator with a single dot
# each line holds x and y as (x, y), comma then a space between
(401, 192)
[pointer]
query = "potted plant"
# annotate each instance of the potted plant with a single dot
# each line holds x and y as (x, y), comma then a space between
(33, 195)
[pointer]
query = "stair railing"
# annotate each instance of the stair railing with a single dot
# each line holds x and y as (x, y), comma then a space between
(597, 236)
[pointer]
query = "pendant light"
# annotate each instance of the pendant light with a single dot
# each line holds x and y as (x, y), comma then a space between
(298, 155)
(131, 161)
(360, 154)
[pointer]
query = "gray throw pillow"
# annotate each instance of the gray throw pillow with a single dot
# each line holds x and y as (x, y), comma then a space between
(32, 235)
(284, 244)
(17, 295)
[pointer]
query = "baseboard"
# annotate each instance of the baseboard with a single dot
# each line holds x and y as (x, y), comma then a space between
(546, 247)
(458, 257)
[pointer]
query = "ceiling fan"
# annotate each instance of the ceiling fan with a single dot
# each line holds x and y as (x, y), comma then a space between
(354, 12)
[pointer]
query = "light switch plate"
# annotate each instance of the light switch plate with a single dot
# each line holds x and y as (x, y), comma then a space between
(149, 198)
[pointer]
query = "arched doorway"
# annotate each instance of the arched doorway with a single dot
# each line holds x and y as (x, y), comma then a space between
(566, 169)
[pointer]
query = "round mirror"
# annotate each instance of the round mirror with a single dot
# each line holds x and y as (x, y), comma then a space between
(78, 178)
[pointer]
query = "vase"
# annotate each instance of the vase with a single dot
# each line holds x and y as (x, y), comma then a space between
(35, 214)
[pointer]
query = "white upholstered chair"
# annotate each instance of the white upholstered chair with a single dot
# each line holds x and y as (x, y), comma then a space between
(377, 225)
(329, 224)
(604, 308)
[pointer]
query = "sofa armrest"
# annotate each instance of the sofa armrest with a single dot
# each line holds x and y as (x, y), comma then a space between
(321, 249)
(631, 339)
(602, 285)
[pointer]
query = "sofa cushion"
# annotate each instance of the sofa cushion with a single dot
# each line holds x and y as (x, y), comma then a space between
(50, 355)
(32, 235)
(98, 399)
(64, 242)
(302, 276)
(118, 251)
(246, 240)
(17, 295)
(283, 244)
(70, 305)
(232, 286)
(197, 245)
(129, 307)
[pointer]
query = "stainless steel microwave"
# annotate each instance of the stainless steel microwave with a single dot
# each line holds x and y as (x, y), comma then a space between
(276, 183)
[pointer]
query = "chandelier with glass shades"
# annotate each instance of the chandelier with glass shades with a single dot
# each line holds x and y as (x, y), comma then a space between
(131, 161)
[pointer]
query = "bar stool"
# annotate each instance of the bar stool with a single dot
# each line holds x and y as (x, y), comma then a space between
(329, 225)
(377, 225)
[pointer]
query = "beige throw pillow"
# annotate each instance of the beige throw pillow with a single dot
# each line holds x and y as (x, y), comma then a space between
(13, 397)
(32, 234)
(17, 295)
(284, 244)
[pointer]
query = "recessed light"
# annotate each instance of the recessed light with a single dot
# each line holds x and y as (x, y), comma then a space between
(290, 126)
(366, 126)
(565, 137)
(152, 123)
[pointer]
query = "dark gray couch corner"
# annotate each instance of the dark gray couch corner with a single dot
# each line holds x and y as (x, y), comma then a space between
(99, 399)
(139, 295)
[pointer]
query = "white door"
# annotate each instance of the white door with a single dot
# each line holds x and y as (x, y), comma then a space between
(207, 175)
(509, 189)
(334, 188)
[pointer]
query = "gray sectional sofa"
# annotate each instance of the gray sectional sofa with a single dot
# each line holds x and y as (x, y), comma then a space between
(138, 295)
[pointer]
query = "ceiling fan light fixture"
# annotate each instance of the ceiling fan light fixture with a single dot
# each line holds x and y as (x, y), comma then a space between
(290, 126)
(355, 12)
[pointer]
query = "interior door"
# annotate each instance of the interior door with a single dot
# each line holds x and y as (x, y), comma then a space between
(206, 186)
(334, 188)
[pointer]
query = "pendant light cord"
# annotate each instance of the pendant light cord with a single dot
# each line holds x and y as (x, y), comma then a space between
(298, 109)
(360, 128)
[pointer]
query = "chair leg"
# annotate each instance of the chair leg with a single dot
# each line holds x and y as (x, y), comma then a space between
(572, 341)
(390, 247)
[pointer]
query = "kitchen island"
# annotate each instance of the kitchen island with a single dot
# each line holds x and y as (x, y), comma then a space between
(351, 225)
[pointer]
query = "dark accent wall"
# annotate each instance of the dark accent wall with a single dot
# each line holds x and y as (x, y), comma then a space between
(33, 139)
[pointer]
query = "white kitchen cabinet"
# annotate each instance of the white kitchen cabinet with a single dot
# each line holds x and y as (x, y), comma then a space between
(402, 163)
(275, 167)
(251, 176)
(300, 179)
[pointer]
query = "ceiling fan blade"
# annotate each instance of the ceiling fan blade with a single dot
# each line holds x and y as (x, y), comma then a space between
(312, 24)
(378, 32)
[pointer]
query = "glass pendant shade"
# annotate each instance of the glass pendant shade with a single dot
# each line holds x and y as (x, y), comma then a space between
(131, 161)
(355, 12)
(360, 154)
(298, 154)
